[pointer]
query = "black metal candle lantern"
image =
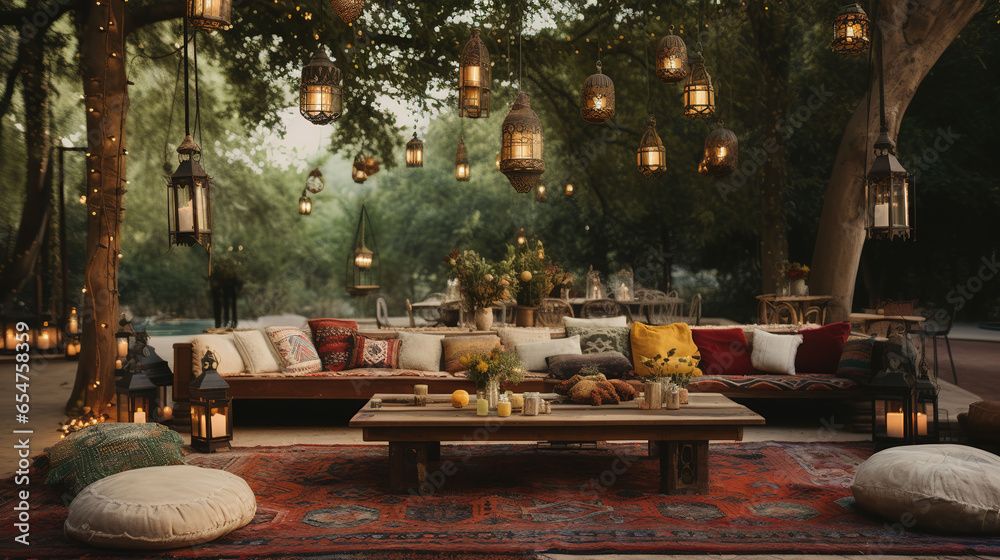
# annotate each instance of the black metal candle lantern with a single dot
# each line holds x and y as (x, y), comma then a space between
(135, 393)
(211, 414)
(321, 97)
(158, 372)
(699, 94)
(189, 198)
(123, 341)
(925, 408)
(415, 152)
(474, 79)
(462, 168)
(890, 193)
(210, 14)
(892, 409)
(851, 30)
(363, 266)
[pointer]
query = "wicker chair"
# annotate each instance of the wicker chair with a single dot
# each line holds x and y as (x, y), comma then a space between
(659, 310)
(551, 312)
(382, 313)
(694, 312)
(597, 308)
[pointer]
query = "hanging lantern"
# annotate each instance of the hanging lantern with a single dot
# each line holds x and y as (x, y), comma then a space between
(652, 156)
(671, 59)
(892, 409)
(321, 99)
(522, 239)
(540, 195)
(189, 212)
(348, 10)
(851, 30)
(210, 14)
(371, 166)
(721, 153)
(415, 152)
(462, 169)
(358, 170)
(363, 267)
(699, 95)
(474, 79)
(305, 204)
(211, 418)
(569, 189)
(890, 189)
(314, 182)
(597, 98)
(73, 323)
(521, 145)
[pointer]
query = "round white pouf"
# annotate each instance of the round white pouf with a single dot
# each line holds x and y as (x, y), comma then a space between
(160, 507)
(950, 488)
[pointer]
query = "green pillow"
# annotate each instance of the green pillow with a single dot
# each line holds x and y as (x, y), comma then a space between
(596, 340)
(102, 450)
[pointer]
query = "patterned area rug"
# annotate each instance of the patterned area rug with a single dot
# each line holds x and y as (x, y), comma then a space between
(511, 501)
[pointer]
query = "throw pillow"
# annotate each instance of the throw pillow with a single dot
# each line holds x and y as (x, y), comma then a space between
(297, 354)
(533, 354)
(420, 351)
(510, 337)
(333, 339)
(619, 321)
(856, 359)
(224, 347)
(454, 347)
(723, 351)
(595, 340)
(374, 352)
(775, 353)
(257, 353)
(101, 450)
(650, 340)
(613, 365)
(821, 348)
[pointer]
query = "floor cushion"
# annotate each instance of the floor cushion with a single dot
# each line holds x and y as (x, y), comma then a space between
(161, 508)
(673, 343)
(949, 488)
(102, 450)
(420, 351)
(982, 422)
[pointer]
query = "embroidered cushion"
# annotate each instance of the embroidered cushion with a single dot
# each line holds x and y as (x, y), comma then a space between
(455, 347)
(333, 339)
(650, 340)
(297, 354)
(613, 365)
(374, 352)
(595, 340)
(101, 450)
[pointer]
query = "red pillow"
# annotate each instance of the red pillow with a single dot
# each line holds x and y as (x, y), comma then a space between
(723, 351)
(821, 348)
(375, 353)
(333, 340)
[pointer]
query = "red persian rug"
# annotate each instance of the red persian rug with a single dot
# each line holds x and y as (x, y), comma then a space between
(513, 501)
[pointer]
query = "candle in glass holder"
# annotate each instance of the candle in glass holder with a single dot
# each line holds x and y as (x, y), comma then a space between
(168, 413)
(894, 424)
(139, 416)
(921, 424)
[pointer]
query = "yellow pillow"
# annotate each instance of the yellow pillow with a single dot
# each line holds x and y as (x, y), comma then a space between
(650, 340)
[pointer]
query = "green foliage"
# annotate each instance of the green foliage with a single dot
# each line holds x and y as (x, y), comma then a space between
(679, 371)
(482, 282)
(533, 272)
(499, 365)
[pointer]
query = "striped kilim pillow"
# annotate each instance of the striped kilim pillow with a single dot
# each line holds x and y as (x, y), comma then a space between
(334, 340)
(298, 355)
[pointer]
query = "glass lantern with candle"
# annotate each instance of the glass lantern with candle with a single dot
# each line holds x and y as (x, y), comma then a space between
(474, 79)
(415, 152)
(925, 409)
(892, 409)
(211, 414)
(46, 337)
(671, 59)
(135, 393)
(624, 285)
(890, 192)
(123, 341)
(158, 372)
(851, 30)
(462, 169)
(699, 94)
(594, 288)
(321, 97)
(210, 14)
(305, 204)
(521, 159)
(651, 154)
(363, 265)
(189, 213)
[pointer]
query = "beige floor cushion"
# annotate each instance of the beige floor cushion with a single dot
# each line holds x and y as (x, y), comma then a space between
(160, 508)
(949, 488)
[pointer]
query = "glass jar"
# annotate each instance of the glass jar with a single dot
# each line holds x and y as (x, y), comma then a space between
(482, 405)
(532, 404)
(672, 397)
(503, 406)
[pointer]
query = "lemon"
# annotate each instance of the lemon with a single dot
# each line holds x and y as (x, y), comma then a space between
(459, 398)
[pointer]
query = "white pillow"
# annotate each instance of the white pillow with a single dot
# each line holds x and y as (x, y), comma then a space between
(533, 354)
(257, 353)
(160, 508)
(619, 321)
(774, 353)
(510, 337)
(224, 347)
(420, 351)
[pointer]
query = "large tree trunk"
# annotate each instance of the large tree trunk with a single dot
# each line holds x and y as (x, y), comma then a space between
(771, 43)
(913, 42)
(103, 67)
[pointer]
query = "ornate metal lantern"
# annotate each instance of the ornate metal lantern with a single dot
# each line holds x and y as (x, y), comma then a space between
(305, 204)
(474, 79)
(314, 182)
(123, 341)
(211, 415)
(892, 409)
(721, 153)
(189, 211)
(699, 95)
(321, 97)
(671, 59)
(210, 14)
(521, 145)
(158, 372)
(540, 195)
(135, 393)
(348, 10)
(851, 30)
(358, 172)
(925, 410)
(652, 156)
(890, 190)
(462, 168)
(415, 152)
(597, 98)
(363, 266)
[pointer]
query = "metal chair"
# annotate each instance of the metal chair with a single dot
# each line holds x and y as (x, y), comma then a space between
(381, 313)
(596, 308)
(551, 311)
(409, 312)
(934, 330)
(659, 310)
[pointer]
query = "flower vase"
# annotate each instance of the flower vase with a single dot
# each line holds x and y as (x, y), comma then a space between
(493, 393)
(484, 319)
(799, 288)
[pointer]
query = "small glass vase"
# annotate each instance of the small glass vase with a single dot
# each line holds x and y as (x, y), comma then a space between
(493, 393)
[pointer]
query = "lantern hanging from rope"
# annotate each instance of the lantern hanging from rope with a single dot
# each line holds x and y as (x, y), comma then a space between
(210, 14)
(358, 172)
(363, 266)
(189, 198)
(671, 59)
(652, 156)
(474, 79)
(521, 145)
(597, 98)
(699, 95)
(348, 10)
(314, 182)
(462, 169)
(321, 98)
(415, 152)
(721, 153)
(305, 204)
(851, 30)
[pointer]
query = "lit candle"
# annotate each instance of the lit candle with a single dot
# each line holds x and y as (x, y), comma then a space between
(185, 219)
(71, 349)
(894, 424)
(74, 322)
(921, 424)
(122, 347)
(11, 338)
(850, 31)
(201, 425)
(168, 413)
(218, 425)
(722, 152)
(118, 364)
(139, 417)
(598, 103)
(43, 341)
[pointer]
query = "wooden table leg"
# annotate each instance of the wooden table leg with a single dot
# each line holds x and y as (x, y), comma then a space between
(683, 467)
(407, 465)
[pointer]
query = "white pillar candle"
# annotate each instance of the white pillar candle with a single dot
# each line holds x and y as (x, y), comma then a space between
(168, 413)
(894, 424)
(921, 424)
(218, 425)
(139, 416)
(122, 347)
(185, 219)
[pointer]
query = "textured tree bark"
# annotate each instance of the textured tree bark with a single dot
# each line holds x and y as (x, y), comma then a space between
(102, 63)
(915, 34)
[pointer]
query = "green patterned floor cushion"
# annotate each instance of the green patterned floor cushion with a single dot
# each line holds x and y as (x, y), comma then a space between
(102, 450)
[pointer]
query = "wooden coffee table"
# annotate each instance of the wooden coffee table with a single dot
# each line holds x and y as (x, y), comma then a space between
(679, 438)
